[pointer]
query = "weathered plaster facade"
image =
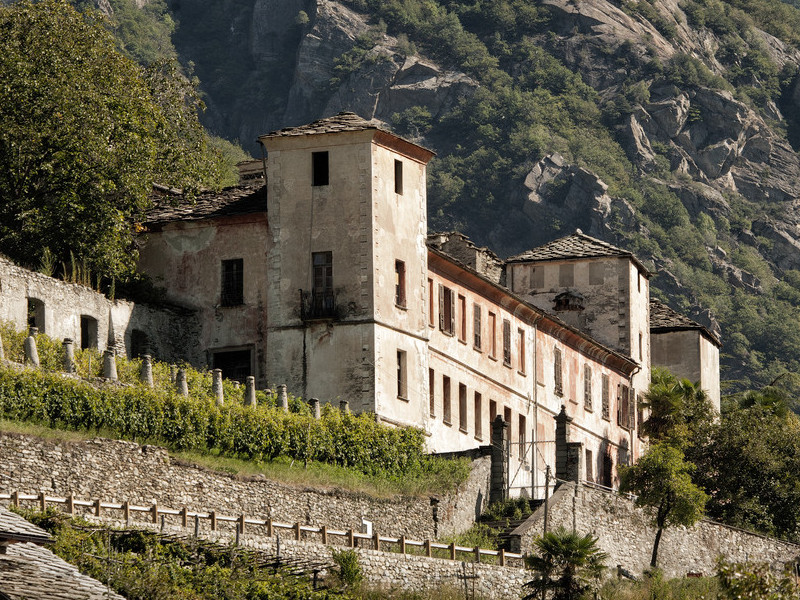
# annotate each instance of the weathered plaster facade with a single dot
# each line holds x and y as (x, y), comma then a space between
(68, 310)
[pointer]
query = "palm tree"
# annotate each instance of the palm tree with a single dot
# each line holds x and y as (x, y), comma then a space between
(567, 566)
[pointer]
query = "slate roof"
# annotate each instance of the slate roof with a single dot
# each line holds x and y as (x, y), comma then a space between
(28, 571)
(344, 121)
(237, 200)
(14, 527)
(664, 319)
(577, 245)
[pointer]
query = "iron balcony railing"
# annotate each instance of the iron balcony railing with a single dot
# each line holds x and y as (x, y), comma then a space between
(317, 304)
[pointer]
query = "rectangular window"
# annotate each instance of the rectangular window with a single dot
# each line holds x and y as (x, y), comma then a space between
(589, 466)
(521, 336)
(566, 275)
(402, 381)
(462, 314)
(462, 407)
(606, 400)
(623, 414)
(558, 376)
(323, 271)
(478, 414)
(596, 273)
(398, 177)
(232, 282)
(432, 392)
(476, 326)
(492, 415)
(89, 333)
(430, 302)
(507, 419)
(587, 387)
(319, 168)
(446, 400)
(492, 335)
(537, 277)
(447, 310)
(632, 409)
(521, 436)
(400, 283)
(507, 342)
(641, 353)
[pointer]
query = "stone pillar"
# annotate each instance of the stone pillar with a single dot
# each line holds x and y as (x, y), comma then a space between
(568, 454)
(146, 372)
(283, 397)
(216, 387)
(315, 407)
(250, 391)
(69, 355)
(181, 383)
(110, 365)
(498, 486)
(344, 406)
(31, 352)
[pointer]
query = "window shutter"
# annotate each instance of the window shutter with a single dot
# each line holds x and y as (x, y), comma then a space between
(452, 312)
(441, 307)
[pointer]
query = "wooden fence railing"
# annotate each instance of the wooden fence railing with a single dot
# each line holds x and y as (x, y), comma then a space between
(400, 544)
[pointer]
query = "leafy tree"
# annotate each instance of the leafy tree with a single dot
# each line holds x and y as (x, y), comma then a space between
(567, 566)
(755, 581)
(661, 481)
(751, 466)
(680, 411)
(83, 133)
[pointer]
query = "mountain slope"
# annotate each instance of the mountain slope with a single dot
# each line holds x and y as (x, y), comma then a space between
(667, 127)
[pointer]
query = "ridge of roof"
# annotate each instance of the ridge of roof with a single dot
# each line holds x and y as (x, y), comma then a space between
(575, 245)
(342, 121)
(664, 318)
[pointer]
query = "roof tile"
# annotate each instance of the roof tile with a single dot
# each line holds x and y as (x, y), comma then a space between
(344, 121)
(237, 200)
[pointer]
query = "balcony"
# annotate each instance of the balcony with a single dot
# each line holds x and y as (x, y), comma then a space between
(318, 305)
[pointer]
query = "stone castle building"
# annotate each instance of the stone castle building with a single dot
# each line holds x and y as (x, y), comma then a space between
(326, 278)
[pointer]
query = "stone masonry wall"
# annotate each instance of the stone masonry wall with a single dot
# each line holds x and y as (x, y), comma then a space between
(120, 471)
(626, 534)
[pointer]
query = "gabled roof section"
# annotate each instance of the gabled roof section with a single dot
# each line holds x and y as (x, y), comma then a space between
(232, 201)
(664, 319)
(344, 121)
(15, 528)
(350, 121)
(575, 246)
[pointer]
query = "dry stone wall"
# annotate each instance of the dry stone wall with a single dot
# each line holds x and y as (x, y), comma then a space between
(626, 534)
(120, 471)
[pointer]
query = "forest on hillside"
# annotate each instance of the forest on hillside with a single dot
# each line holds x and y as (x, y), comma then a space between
(542, 81)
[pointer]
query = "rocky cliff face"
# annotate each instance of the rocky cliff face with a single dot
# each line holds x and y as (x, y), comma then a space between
(266, 64)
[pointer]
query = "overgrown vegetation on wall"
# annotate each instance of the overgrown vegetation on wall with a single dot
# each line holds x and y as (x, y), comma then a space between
(196, 423)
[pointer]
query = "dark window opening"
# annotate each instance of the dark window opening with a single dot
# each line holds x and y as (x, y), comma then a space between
(589, 466)
(319, 168)
(140, 343)
(36, 314)
(507, 342)
(521, 334)
(89, 332)
(558, 376)
(402, 382)
(608, 470)
(492, 414)
(462, 326)
(398, 177)
(623, 408)
(462, 407)
(321, 302)
(521, 435)
(446, 400)
(400, 283)
(478, 410)
(493, 335)
(432, 392)
(606, 400)
(235, 364)
(476, 326)
(232, 282)
(447, 310)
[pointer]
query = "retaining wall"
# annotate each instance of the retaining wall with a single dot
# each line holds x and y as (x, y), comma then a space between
(120, 471)
(625, 532)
